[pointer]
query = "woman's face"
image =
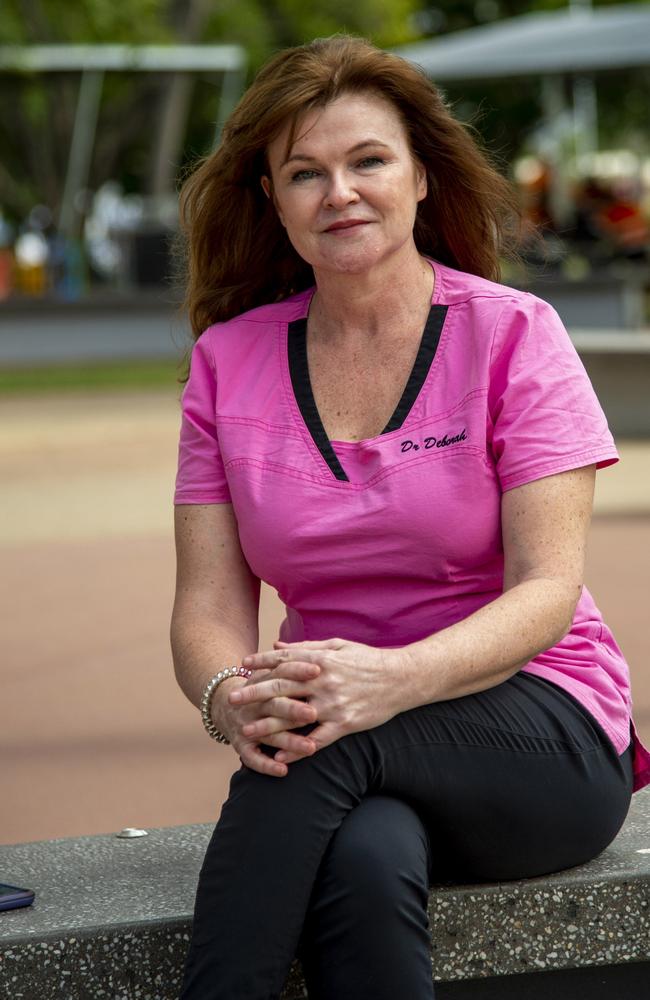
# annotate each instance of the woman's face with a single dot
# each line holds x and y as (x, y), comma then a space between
(347, 192)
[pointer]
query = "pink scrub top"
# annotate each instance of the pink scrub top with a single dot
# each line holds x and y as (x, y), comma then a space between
(390, 539)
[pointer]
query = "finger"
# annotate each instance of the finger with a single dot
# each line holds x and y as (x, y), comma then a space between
(288, 757)
(297, 710)
(259, 676)
(271, 657)
(298, 713)
(273, 687)
(293, 670)
(292, 742)
(321, 737)
(279, 663)
(310, 643)
(247, 714)
(257, 760)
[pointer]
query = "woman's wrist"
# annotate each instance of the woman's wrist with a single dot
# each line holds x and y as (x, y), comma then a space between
(220, 696)
(400, 674)
(220, 709)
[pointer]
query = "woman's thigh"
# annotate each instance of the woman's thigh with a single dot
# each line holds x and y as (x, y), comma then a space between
(511, 782)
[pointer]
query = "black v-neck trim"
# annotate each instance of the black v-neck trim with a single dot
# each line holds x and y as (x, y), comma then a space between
(299, 371)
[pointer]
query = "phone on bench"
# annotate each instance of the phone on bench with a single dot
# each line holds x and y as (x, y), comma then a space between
(11, 896)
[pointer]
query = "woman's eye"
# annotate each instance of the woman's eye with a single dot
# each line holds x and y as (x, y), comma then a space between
(371, 161)
(303, 175)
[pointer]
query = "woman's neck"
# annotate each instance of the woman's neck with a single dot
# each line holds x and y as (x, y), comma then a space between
(349, 310)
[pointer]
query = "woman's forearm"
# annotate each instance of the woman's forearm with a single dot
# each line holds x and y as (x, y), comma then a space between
(489, 645)
(201, 647)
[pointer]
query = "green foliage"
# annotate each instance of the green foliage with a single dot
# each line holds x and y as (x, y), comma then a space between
(263, 26)
(12, 27)
(96, 376)
(242, 22)
(40, 22)
(385, 22)
(36, 104)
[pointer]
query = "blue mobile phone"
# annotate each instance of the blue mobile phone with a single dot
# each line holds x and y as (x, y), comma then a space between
(11, 897)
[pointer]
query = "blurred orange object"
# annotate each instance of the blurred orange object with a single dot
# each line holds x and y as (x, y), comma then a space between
(32, 279)
(624, 223)
(6, 273)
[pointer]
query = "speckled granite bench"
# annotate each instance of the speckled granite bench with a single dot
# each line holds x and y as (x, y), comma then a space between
(112, 919)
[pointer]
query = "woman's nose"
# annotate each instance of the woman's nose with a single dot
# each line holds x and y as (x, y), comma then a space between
(340, 190)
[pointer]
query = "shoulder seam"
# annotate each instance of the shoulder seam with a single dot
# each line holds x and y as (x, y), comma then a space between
(513, 293)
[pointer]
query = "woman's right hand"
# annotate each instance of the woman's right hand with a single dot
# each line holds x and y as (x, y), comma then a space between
(230, 719)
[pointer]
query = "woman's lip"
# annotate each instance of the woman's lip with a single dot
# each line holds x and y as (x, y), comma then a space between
(346, 225)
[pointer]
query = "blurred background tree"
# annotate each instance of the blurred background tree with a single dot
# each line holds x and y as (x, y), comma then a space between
(37, 111)
(148, 122)
(153, 126)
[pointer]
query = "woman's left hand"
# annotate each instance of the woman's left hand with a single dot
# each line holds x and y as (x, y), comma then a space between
(357, 688)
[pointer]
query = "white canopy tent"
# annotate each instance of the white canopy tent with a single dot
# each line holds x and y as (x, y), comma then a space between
(576, 40)
(571, 40)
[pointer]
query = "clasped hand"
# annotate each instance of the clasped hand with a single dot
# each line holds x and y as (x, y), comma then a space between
(344, 686)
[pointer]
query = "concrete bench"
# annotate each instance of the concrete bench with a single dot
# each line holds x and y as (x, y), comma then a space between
(112, 920)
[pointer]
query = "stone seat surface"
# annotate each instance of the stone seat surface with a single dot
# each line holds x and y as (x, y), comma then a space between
(112, 917)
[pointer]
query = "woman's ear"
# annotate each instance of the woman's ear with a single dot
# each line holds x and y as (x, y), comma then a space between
(421, 177)
(266, 186)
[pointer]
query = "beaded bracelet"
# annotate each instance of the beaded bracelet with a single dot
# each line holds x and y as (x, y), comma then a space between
(206, 700)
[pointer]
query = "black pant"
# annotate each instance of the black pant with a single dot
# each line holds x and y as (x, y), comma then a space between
(333, 862)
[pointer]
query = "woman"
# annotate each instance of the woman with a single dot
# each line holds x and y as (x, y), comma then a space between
(406, 449)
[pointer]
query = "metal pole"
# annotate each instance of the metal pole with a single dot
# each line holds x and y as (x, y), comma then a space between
(555, 115)
(585, 106)
(232, 87)
(81, 147)
(585, 115)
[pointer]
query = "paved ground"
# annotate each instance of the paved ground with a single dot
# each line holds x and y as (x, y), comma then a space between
(95, 733)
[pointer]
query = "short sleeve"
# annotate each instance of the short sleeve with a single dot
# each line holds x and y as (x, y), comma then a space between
(544, 416)
(200, 477)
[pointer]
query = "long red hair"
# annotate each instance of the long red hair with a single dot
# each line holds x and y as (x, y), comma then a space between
(236, 253)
